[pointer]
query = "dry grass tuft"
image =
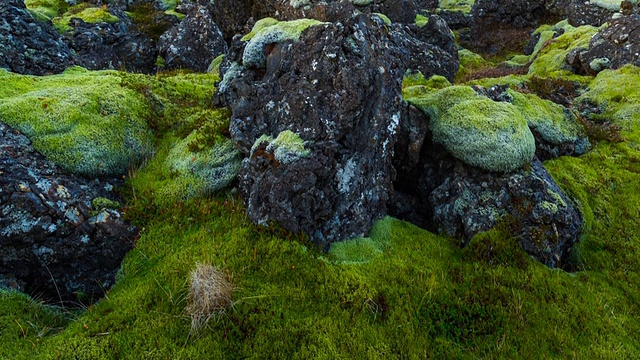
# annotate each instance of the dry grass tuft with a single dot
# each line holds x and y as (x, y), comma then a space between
(210, 295)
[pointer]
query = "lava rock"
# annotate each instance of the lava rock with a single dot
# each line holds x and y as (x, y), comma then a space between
(611, 48)
(28, 46)
(337, 90)
(194, 42)
(115, 46)
(61, 238)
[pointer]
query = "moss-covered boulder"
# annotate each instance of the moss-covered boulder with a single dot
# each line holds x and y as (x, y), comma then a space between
(86, 122)
(86, 13)
(491, 135)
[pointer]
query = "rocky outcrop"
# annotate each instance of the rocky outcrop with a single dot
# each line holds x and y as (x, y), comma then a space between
(28, 46)
(443, 194)
(611, 48)
(61, 238)
(194, 42)
(115, 46)
(317, 121)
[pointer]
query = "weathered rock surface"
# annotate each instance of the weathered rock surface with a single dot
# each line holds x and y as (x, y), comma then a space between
(28, 46)
(56, 241)
(338, 90)
(115, 46)
(440, 193)
(611, 48)
(194, 42)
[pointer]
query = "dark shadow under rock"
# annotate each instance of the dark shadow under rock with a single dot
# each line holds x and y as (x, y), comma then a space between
(61, 239)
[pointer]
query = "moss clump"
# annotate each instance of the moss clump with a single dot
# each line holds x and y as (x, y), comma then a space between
(490, 135)
(421, 20)
(611, 5)
(46, 10)
(288, 147)
(200, 171)
(363, 250)
(463, 6)
(414, 84)
(270, 31)
(469, 63)
(84, 121)
(87, 14)
(551, 121)
(384, 18)
(214, 67)
(101, 203)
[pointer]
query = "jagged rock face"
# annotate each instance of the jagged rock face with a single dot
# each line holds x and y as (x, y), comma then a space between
(115, 46)
(28, 46)
(194, 42)
(430, 49)
(611, 48)
(337, 89)
(53, 244)
(438, 192)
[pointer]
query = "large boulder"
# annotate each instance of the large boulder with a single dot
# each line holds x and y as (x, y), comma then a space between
(112, 45)
(28, 46)
(194, 42)
(316, 118)
(62, 238)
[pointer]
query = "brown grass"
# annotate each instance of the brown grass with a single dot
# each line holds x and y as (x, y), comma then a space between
(210, 295)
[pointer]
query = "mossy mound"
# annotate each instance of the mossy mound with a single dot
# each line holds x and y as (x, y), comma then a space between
(271, 31)
(463, 6)
(552, 122)
(84, 121)
(200, 167)
(491, 135)
(86, 13)
(46, 10)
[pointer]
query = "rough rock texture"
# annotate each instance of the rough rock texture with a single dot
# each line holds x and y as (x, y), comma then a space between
(56, 240)
(28, 46)
(610, 48)
(112, 46)
(440, 193)
(430, 49)
(338, 90)
(194, 42)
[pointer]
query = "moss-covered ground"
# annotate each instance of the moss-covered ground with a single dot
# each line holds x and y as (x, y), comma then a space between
(401, 293)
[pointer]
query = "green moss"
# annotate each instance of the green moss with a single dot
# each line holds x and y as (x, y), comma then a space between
(552, 122)
(550, 59)
(491, 135)
(384, 18)
(84, 121)
(463, 6)
(421, 20)
(87, 14)
(361, 2)
(101, 203)
(287, 147)
(270, 31)
(611, 5)
(363, 250)
(46, 10)
(214, 67)
(469, 63)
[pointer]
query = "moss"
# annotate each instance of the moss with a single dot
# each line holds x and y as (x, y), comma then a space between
(214, 67)
(101, 203)
(463, 6)
(363, 250)
(611, 5)
(550, 60)
(421, 20)
(87, 14)
(287, 147)
(552, 122)
(84, 121)
(270, 31)
(361, 2)
(46, 10)
(469, 63)
(299, 3)
(490, 135)
(613, 90)
(384, 18)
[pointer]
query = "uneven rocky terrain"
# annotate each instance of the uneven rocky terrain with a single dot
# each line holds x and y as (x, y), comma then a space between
(319, 179)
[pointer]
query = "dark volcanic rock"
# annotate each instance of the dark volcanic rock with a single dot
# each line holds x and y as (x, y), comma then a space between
(438, 192)
(611, 48)
(115, 46)
(194, 42)
(53, 243)
(28, 46)
(338, 89)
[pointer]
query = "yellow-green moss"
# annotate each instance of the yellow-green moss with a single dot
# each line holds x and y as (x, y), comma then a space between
(84, 121)
(463, 6)
(384, 18)
(46, 10)
(469, 62)
(270, 31)
(87, 14)
(101, 203)
(421, 20)
(490, 135)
